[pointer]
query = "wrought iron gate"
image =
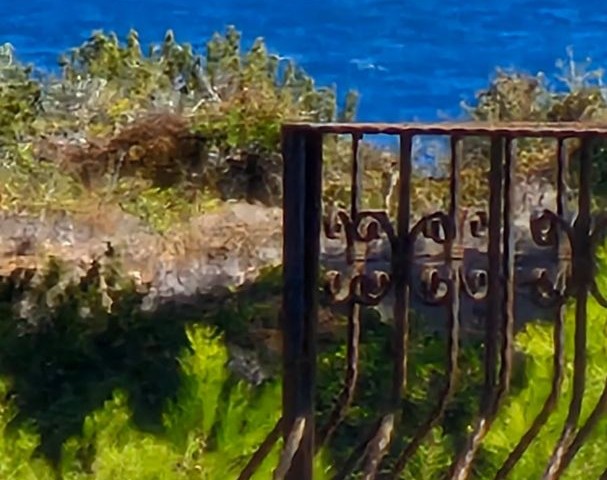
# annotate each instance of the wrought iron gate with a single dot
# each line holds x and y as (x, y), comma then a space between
(574, 243)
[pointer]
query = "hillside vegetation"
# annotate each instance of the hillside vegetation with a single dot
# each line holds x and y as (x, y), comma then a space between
(94, 387)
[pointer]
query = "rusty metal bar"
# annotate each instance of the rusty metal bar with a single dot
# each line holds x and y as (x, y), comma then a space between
(262, 452)
(292, 445)
(582, 279)
(460, 469)
(557, 294)
(507, 279)
(302, 153)
(494, 312)
(402, 260)
(346, 395)
(454, 257)
(356, 187)
(476, 129)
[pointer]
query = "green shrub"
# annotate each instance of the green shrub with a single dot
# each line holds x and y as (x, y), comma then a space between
(19, 97)
(18, 448)
(210, 429)
(91, 387)
(217, 115)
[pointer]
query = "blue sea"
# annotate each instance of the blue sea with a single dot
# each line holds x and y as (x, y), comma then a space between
(409, 60)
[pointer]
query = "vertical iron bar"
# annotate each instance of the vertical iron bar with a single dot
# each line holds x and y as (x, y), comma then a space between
(507, 301)
(402, 260)
(453, 249)
(357, 178)
(460, 469)
(346, 395)
(401, 270)
(582, 277)
(558, 336)
(302, 154)
(455, 263)
(494, 310)
(359, 267)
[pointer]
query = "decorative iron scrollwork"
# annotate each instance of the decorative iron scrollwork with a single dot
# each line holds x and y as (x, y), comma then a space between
(548, 292)
(545, 228)
(436, 226)
(366, 227)
(434, 289)
(337, 222)
(475, 283)
(479, 223)
(362, 288)
(358, 287)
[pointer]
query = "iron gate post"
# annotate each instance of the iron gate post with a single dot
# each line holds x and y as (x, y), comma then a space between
(302, 170)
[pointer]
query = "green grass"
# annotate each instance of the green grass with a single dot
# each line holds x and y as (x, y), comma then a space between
(91, 392)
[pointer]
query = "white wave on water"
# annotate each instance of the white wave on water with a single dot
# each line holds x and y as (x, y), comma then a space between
(367, 64)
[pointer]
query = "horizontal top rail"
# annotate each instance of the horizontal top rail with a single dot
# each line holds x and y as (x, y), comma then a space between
(528, 129)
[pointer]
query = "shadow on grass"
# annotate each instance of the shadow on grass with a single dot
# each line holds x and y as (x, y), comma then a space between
(65, 360)
(65, 354)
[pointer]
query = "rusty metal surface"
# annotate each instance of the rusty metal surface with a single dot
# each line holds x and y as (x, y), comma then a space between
(519, 129)
(357, 258)
(442, 287)
(299, 313)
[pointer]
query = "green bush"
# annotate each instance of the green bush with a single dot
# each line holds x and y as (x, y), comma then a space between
(208, 121)
(210, 429)
(172, 122)
(92, 387)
